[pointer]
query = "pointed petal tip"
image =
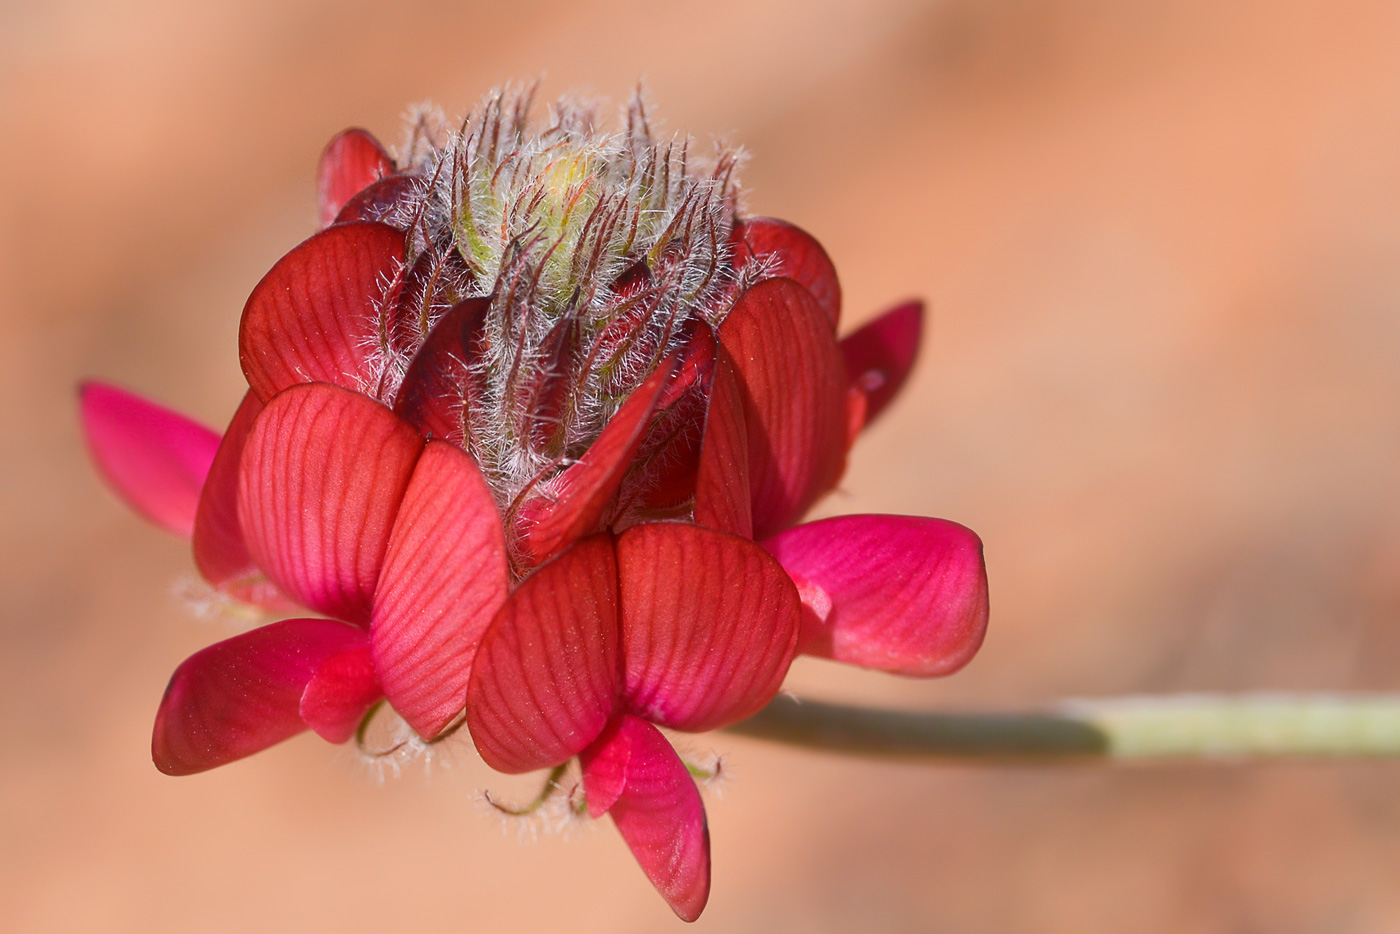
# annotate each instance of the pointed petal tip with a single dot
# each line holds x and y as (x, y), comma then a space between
(880, 356)
(153, 457)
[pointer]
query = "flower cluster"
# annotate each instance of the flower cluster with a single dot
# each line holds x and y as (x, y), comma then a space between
(529, 428)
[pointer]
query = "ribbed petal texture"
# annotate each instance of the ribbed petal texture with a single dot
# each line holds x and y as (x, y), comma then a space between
(794, 253)
(722, 496)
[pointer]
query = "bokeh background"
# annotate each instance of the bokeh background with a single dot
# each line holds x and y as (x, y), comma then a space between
(1161, 245)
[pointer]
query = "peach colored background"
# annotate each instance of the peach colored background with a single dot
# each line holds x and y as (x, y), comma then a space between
(1161, 241)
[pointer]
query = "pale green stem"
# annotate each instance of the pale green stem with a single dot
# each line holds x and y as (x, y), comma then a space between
(1181, 728)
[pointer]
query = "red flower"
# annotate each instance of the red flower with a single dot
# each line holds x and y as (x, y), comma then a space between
(531, 422)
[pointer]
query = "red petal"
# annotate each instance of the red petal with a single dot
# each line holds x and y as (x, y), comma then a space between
(154, 458)
(795, 399)
(323, 473)
(240, 696)
(903, 594)
(440, 386)
(794, 253)
(669, 455)
(722, 496)
(709, 625)
(339, 695)
(351, 161)
(219, 550)
(316, 316)
(385, 201)
(880, 355)
(444, 578)
(658, 811)
(586, 488)
(545, 677)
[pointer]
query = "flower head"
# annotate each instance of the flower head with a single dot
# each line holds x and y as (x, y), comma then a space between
(529, 428)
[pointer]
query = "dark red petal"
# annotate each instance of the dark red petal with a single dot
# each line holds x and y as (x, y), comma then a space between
(240, 696)
(880, 355)
(545, 677)
(154, 458)
(339, 695)
(709, 625)
(669, 455)
(385, 201)
(722, 495)
(657, 810)
(794, 385)
(903, 594)
(316, 316)
(324, 471)
(444, 579)
(219, 550)
(351, 161)
(577, 505)
(440, 386)
(794, 253)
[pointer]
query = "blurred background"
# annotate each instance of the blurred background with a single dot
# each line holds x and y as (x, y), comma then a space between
(1161, 246)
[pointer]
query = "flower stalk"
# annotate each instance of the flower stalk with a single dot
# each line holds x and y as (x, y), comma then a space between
(1206, 728)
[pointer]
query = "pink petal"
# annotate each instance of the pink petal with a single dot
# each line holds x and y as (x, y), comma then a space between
(903, 594)
(317, 315)
(323, 473)
(440, 385)
(586, 488)
(154, 458)
(880, 355)
(351, 161)
(722, 496)
(444, 578)
(658, 811)
(795, 399)
(545, 677)
(219, 550)
(793, 253)
(339, 695)
(239, 696)
(709, 625)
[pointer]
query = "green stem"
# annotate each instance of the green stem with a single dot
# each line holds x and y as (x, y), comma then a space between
(1186, 727)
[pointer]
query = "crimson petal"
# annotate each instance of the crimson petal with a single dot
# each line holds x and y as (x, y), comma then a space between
(324, 471)
(585, 489)
(440, 386)
(239, 696)
(722, 496)
(794, 253)
(657, 810)
(880, 355)
(154, 458)
(351, 161)
(545, 677)
(385, 201)
(903, 594)
(709, 625)
(317, 314)
(795, 399)
(339, 695)
(444, 578)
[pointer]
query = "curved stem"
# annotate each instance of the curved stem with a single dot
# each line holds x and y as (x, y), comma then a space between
(1185, 727)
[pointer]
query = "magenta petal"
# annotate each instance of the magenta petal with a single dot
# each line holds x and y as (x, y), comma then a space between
(351, 161)
(709, 625)
(794, 253)
(795, 399)
(340, 693)
(316, 316)
(545, 677)
(586, 488)
(440, 387)
(658, 811)
(880, 355)
(323, 473)
(903, 594)
(154, 458)
(239, 696)
(444, 578)
(722, 495)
